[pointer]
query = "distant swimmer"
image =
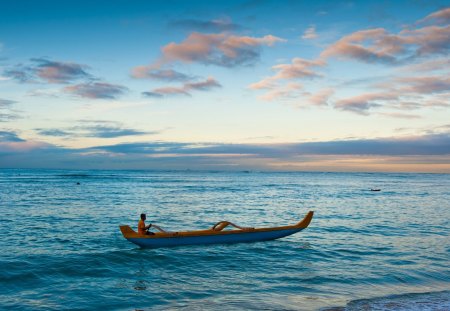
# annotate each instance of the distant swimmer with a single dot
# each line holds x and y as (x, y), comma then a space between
(375, 189)
(78, 183)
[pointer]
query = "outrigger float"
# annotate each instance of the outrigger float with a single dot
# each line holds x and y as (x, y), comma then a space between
(214, 235)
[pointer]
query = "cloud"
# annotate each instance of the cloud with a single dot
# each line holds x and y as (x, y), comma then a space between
(379, 46)
(6, 113)
(439, 17)
(169, 90)
(404, 93)
(299, 68)
(221, 49)
(424, 153)
(310, 33)
(53, 132)
(49, 71)
(6, 103)
(217, 25)
(419, 49)
(400, 115)
(423, 85)
(320, 98)
(383, 48)
(438, 64)
(97, 129)
(152, 94)
(102, 131)
(291, 90)
(145, 72)
(19, 73)
(59, 72)
(428, 41)
(96, 90)
(361, 104)
(206, 85)
(7, 137)
(266, 83)
(185, 90)
(433, 144)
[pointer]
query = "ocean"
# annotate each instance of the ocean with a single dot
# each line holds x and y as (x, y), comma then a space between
(61, 248)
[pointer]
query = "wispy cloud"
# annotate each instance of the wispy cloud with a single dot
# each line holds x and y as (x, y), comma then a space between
(6, 103)
(216, 25)
(185, 89)
(397, 93)
(298, 69)
(97, 129)
(400, 115)
(9, 136)
(59, 72)
(361, 104)
(290, 90)
(6, 112)
(310, 33)
(53, 132)
(319, 98)
(384, 48)
(439, 17)
(49, 71)
(170, 75)
(97, 90)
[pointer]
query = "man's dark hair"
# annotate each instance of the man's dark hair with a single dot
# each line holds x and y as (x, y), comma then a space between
(143, 216)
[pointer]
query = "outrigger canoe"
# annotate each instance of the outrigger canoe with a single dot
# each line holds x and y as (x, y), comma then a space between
(214, 235)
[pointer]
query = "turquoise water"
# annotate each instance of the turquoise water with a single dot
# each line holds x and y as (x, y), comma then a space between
(61, 247)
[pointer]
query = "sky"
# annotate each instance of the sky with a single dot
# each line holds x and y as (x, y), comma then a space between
(226, 85)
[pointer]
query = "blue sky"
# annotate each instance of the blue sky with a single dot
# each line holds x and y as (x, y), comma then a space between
(225, 85)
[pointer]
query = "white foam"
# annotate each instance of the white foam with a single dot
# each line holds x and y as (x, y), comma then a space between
(435, 301)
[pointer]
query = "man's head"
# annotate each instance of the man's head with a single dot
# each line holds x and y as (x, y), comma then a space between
(143, 217)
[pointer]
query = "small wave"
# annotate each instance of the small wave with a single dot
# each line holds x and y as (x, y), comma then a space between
(432, 301)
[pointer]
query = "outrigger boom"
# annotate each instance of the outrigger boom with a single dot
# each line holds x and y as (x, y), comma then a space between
(214, 235)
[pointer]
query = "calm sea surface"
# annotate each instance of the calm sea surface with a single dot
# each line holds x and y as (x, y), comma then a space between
(61, 248)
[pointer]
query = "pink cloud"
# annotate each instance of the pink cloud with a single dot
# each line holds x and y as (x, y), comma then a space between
(440, 17)
(423, 85)
(310, 33)
(428, 40)
(186, 89)
(222, 49)
(400, 115)
(96, 90)
(169, 90)
(298, 69)
(146, 72)
(380, 46)
(266, 83)
(291, 90)
(361, 104)
(321, 98)
(383, 48)
(403, 93)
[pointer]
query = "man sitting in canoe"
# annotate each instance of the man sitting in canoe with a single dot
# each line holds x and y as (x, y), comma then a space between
(142, 228)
